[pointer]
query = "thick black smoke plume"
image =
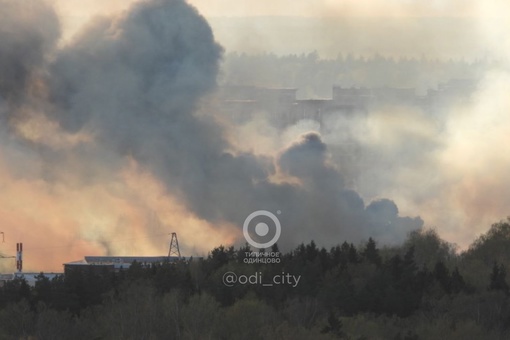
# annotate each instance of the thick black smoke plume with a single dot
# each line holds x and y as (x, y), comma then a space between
(134, 82)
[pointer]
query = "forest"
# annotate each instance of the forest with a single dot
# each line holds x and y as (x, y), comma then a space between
(422, 289)
(314, 76)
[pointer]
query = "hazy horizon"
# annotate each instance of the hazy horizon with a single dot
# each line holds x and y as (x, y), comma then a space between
(111, 140)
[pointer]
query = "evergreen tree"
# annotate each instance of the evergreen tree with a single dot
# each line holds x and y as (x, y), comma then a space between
(334, 326)
(442, 275)
(498, 278)
(457, 283)
(352, 255)
(371, 253)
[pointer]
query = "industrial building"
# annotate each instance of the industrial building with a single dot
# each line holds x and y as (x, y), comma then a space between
(117, 263)
(95, 263)
(29, 277)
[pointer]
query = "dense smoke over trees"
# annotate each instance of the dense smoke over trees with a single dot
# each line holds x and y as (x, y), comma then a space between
(116, 134)
(118, 104)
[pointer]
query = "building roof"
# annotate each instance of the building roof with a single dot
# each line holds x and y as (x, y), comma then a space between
(129, 259)
(123, 261)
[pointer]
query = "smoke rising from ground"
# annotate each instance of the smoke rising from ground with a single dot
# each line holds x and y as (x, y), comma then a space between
(448, 165)
(103, 150)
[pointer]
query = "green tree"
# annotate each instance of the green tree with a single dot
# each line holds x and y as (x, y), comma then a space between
(442, 275)
(498, 278)
(248, 319)
(371, 253)
(201, 318)
(17, 320)
(334, 326)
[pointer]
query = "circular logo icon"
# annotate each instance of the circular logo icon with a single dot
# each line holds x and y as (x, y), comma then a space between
(262, 229)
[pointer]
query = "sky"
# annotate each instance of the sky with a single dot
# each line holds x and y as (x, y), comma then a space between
(445, 29)
(72, 185)
(305, 8)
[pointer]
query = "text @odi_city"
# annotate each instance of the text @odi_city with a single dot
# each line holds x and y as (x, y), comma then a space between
(230, 279)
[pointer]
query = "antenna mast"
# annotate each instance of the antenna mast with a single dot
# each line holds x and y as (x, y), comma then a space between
(19, 257)
(174, 246)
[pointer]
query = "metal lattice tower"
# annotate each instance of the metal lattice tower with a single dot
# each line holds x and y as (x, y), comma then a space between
(174, 246)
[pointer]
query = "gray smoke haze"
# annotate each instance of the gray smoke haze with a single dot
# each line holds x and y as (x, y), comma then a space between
(27, 34)
(328, 207)
(446, 163)
(126, 90)
(436, 37)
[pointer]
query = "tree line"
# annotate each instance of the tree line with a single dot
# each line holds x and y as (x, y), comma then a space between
(422, 289)
(314, 76)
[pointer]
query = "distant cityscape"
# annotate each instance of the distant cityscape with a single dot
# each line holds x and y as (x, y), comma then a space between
(242, 102)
